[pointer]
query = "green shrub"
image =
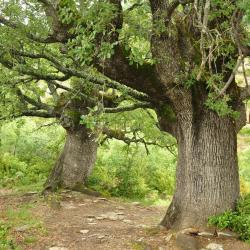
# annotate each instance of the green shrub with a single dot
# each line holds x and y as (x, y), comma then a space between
(128, 171)
(27, 153)
(237, 221)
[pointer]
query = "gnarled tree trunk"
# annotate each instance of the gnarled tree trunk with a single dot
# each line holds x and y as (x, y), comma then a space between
(207, 179)
(76, 160)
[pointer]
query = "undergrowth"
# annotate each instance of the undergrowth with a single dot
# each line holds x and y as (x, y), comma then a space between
(237, 221)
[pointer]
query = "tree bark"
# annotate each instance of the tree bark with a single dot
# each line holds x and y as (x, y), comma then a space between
(75, 162)
(207, 179)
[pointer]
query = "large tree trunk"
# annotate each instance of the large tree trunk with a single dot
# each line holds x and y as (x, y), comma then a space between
(207, 180)
(75, 162)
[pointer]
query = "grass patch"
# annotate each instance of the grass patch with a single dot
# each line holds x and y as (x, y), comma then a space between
(19, 222)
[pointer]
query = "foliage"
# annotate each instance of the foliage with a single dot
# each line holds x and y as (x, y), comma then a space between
(127, 171)
(238, 221)
(26, 152)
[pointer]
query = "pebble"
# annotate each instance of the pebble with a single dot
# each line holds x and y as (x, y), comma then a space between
(22, 228)
(214, 246)
(135, 203)
(85, 231)
(205, 234)
(168, 237)
(128, 221)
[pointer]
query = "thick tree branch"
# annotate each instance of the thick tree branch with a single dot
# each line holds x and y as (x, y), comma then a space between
(85, 74)
(231, 78)
(34, 113)
(121, 136)
(24, 98)
(128, 108)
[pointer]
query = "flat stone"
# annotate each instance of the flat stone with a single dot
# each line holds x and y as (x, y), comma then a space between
(120, 213)
(30, 193)
(90, 219)
(205, 234)
(102, 199)
(100, 218)
(225, 235)
(168, 237)
(135, 203)
(214, 246)
(128, 221)
(67, 205)
(22, 228)
(85, 231)
(111, 216)
(101, 237)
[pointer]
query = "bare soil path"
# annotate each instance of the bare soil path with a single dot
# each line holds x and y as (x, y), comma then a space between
(76, 221)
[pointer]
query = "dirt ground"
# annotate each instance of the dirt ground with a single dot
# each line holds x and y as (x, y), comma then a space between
(76, 221)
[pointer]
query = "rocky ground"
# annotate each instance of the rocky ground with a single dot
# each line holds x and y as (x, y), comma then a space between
(74, 221)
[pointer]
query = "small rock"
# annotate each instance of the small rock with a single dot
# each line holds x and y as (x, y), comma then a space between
(58, 248)
(127, 221)
(112, 216)
(30, 193)
(135, 203)
(168, 237)
(101, 237)
(22, 228)
(67, 206)
(214, 246)
(90, 219)
(100, 218)
(141, 239)
(85, 231)
(205, 234)
(223, 234)
(120, 213)
(92, 223)
(83, 238)
(102, 199)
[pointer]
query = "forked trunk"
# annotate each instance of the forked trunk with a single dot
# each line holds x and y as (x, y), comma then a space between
(207, 180)
(75, 162)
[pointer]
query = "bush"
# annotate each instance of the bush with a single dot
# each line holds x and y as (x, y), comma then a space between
(238, 221)
(128, 171)
(15, 172)
(27, 152)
